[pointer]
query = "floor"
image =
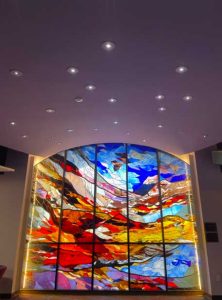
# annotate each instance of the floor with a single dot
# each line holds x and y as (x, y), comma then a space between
(109, 297)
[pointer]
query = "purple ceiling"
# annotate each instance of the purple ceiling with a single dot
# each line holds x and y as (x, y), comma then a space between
(42, 38)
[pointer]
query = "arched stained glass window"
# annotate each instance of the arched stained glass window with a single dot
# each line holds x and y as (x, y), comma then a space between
(111, 217)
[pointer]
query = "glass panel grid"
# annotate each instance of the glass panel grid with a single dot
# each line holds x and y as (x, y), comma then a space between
(125, 222)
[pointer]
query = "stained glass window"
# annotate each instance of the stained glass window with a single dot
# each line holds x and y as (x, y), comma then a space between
(111, 217)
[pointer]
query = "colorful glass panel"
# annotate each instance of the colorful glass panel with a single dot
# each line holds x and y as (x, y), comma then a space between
(111, 201)
(40, 266)
(44, 213)
(143, 191)
(78, 200)
(178, 219)
(182, 266)
(112, 217)
(75, 266)
(111, 267)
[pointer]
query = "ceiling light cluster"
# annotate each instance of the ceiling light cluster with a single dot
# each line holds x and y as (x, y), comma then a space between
(187, 98)
(108, 46)
(159, 97)
(162, 108)
(79, 99)
(50, 110)
(90, 87)
(181, 69)
(16, 73)
(112, 100)
(72, 70)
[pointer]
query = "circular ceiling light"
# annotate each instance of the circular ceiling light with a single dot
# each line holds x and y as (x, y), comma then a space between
(12, 123)
(70, 130)
(90, 87)
(50, 110)
(162, 108)
(95, 129)
(24, 136)
(115, 122)
(112, 100)
(187, 98)
(79, 99)
(16, 73)
(144, 141)
(72, 70)
(108, 46)
(205, 136)
(159, 97)
(160, 126)
(181, 69)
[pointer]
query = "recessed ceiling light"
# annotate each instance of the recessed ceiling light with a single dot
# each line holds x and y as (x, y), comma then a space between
(108, 46)
(160, 126)
(115, 122)
(90, 87)
(144, 140)
(112, 100)
(79, 99)
(181, 69)
(128, 133)
(16, 73)
(159, 97)
(95, 129)
(162, 108)
(50, 110)
(205, 136)
(12, 123)
(70, 130)
(72, 70)
(59, 143)
(187, 98)
(24, 136)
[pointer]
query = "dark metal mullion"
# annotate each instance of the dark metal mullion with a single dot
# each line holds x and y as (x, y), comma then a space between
(60, 221)
(127, 212)
(161, 213)
(94, 218)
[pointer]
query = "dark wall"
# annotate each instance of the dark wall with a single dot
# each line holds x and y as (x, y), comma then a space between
(11, 196)
(210, 183)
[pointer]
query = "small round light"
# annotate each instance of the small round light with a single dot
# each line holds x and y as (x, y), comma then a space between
(181, 69)
(187, 98)
(24, 136)
(70, 130)
(112, 100)
(205, 136)
(90, 87)
(12, 123)
(115, 122)
(50, 110)
(16, 73)
(95, 129)
(162, 108)
(159, 97)
(160, 126)
(144, 140)
(108, 46)
(72, 70)
(79, 99)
